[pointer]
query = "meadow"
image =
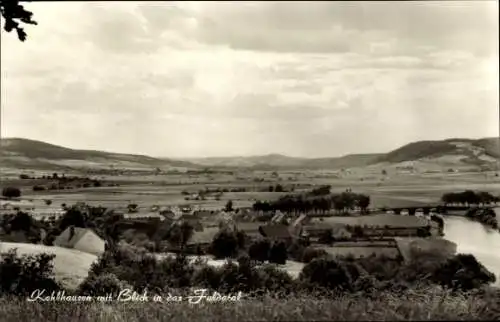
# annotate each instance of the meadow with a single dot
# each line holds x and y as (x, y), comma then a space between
(412, 305)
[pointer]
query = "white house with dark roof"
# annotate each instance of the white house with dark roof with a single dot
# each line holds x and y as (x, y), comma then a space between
(82, 239)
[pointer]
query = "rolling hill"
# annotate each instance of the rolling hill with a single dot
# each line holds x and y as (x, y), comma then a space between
(482, 153)
(451, 152)
(272, 161)
(29, 154)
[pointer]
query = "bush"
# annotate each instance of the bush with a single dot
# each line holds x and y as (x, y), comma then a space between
(311, 253)
(48, 202)
(229, 206)
(132, 208)
(11, 192)
(24, 177)
(275, 280)
(21, 275)
(21, 222)
(236, 278)
(463, 271)
(278, 253)
(224, 245)
(296, 250)
(207, 276)
(38, 188)
(326, 237)
(102, 285)
(259, 250)
(326, 273)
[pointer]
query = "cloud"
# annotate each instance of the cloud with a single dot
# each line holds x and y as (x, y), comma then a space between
(200, 79)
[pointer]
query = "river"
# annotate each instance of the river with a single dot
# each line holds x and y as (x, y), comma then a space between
(474, 238)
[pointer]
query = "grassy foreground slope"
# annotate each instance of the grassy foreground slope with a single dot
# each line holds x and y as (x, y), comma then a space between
(414, 305)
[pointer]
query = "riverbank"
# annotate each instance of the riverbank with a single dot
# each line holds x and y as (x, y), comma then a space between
(474, 238)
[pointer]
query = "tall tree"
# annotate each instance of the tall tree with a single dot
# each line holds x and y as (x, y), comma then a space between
(14, 14)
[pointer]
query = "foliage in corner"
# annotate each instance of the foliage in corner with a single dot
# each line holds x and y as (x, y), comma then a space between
(14, 14)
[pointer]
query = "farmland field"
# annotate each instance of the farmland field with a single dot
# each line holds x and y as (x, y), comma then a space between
(396, 190)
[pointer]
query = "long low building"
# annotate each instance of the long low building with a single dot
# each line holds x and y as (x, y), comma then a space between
(411, 247)
(363, 251)
(379, 220)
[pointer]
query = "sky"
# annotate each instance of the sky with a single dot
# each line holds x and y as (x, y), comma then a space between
(204, 79)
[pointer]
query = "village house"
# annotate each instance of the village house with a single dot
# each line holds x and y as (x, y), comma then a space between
(297, 224)
(313, 232)
(362, 251)
(192, 221)
(199, 242)
(147, 226)
(278, 218)
(276, 232)
(82, 239)
(250, 229)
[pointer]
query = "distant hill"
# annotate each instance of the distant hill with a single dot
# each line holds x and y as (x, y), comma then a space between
(31, 154)
(466, 151)
(451, 152)
(272, 161)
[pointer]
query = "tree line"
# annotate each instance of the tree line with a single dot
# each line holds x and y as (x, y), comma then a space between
(318, 200)
(469, 197)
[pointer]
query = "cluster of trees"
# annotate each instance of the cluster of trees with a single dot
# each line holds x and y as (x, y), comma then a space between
(125, 266)
(216, 193)
(11, 192)
(276, 188)
(62, 186)
(13, 14)
(220, 191)
(486, 216)
(469, 197)
(21, 222)
(61, 182)
(342, 203)
(321, 191)
(232, 244)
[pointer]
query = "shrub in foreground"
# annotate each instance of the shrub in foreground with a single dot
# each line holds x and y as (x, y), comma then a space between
(21, 275)
(108, 283)
(328, 273)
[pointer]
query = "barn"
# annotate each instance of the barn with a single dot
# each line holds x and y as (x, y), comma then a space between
(82, 239)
